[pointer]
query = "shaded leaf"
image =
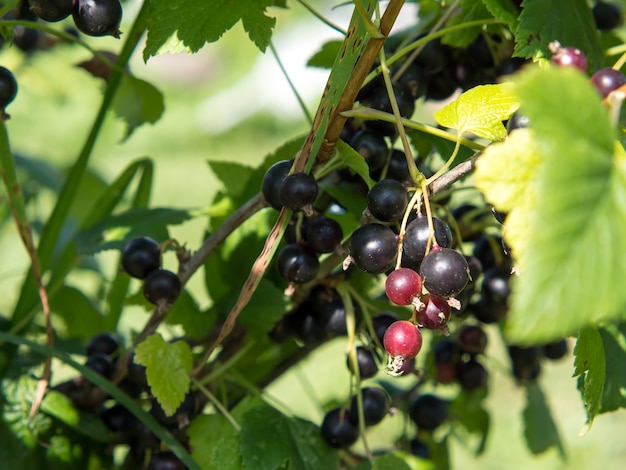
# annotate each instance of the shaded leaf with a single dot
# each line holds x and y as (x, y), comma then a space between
(539, 428)
(590, 368)
(137, 102)
(469, 10)
(79, 314)
(325, 57)
(614, 345)
(504, 11)
(214, 441)
(167, 369)
(347, 157)
(267, 306)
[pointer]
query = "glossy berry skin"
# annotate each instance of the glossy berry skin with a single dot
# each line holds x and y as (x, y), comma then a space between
(607, 80)
(98, 17)
(428, 412)
(165, 461)
(323, 234)
(297, 263)
(435, 314)
(376, 405)
(381, 322)
(272, 181)
(416, 238)
(297, 191)
(338, 430)
(108, 344)
(373, 248)
(52, 10)
(8, 87)
(607, 16)
(140, 257)
(444, 272)
(372, 147)
(366, 363)
(472, 339)
(387, 200)
(402, 339)
(570, 57)
(402, 286)
(160, 286)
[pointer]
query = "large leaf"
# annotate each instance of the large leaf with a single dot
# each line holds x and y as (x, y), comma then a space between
(568, 21)
(580, 213)
(214, 441)
(540, 430)
(167, 369)
(187, 26)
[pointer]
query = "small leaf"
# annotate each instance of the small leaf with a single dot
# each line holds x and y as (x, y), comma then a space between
(137, 102)
(590, 368)
(539, 428)
(470, 10)
(347, 157)
(480, 110)
(167, 369)
(504, 11)
(325, 57)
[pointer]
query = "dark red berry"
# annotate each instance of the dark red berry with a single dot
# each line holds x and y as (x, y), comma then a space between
(160, 286)
(435, 313)
(403, 341)
(402, 286)
(607, 80)
(569, 57)
(98, 17)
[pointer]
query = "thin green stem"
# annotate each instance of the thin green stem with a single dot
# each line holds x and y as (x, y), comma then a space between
(217, 404)
(223, 368)
(445, 167)
(320, 17)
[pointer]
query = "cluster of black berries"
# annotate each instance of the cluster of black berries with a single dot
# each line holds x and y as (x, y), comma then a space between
(141, 259)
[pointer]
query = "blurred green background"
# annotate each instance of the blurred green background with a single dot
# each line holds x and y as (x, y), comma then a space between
(229, 103)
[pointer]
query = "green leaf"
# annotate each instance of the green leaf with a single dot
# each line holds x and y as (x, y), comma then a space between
(214, 441)
(504, 11)
(539, 428)
(167, 369)
(78, 313)
(295, 443)
(347, 157)
(191, 25)
(472, 417)
(568, 21)
(345, 192)
(137, 102)
(397, 460)
(469, 10)
(614, 342)
(480, 110)
(113, 232)
(325, 57)
(581, 186)
(186, 313)
(267, 306)
(590, 368)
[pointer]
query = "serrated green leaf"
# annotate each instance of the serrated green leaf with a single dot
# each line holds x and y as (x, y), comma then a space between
(504, 11)
(581, 212)
(590, 368)
(568, 21)
(137, 102)
(115, 231)
(540, 430)
(167, 369)
(190, 25)
(480, 110)
(347, 157)
(214, 441)
(469, 10)
(614, 345)
(325, 57)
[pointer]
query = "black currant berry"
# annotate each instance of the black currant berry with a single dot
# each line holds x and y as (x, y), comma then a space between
(297, 263)
(161, 285)
(379, 99)
(445, 272)
(472, 339)
(335, 313)
(569, 57)
(108, 344)
(297, 191)
(373, 248)
(98, 17)
(472, 375)
(118, 418)
(140, 257)
(8, 89)
(272, 182)
(416, 239)
(52, 10)
(372, 147)
(428, 412)
(387, 200)
(323, 234)
(338, 430)
(366, 363)
(136, 372)
(419, 448)
(376, 405)
(555, 350)
(381, 322)
(100, 363)
(607, 16)
(398, 168)
(165, 461)
(526, 361)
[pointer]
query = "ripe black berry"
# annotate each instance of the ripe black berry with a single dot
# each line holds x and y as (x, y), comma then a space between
(472, 375)
(372, 147)
(607, 16)
(323, 234)
(373, 248)
(98, 17)
(335, 313)
(108, 344)
(338, 430)
(272, 181)
(381, 322)
(297, 263)
(387, 200)
(376, 405)
(517, 121)
(444, 272)
(297, 191)
(52, 10)
(555, 350)
(8, 89)
(140, 257)
(100, 363)
(117, 418)
(161, 285)
(472, 339)
(419, 448)
(416, 238)
(366, 363)
(428, 412)
(526, 361)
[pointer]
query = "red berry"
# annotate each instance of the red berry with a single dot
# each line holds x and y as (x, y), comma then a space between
(403, 342)
(402, 285)
(435, 313)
